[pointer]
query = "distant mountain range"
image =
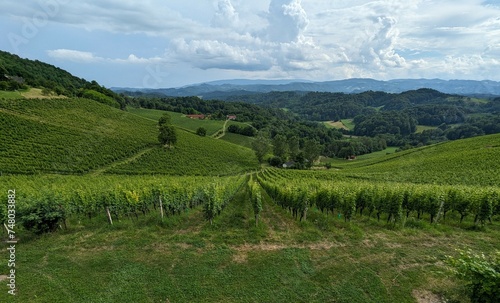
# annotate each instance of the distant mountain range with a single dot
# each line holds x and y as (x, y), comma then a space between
(240, 87)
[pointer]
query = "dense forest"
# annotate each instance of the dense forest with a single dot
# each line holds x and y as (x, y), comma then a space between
(380, 119)
(17, 74)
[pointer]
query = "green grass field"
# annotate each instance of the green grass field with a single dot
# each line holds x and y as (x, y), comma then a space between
(421, 128)
(180, 120)
(348, 123)
(238, 139)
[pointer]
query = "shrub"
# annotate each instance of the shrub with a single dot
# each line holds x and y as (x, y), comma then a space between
(42, 216)
(482, 274)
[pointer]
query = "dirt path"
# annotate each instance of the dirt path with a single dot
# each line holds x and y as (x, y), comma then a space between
(105, 168)
(223, 130)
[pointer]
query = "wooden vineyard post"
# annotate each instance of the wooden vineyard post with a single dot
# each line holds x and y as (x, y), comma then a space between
(110, 220)
(161, 209)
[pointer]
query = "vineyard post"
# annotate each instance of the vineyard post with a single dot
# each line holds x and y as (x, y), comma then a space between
(108, 214)
(161, 209)
(440, 211)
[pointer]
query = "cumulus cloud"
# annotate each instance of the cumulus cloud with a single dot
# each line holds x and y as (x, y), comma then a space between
(287, 20)
(318, 39)
(378, 49)
(207, 54)
(226, 15)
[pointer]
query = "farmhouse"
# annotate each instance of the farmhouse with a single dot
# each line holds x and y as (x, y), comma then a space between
(231, 117)
(200, 117)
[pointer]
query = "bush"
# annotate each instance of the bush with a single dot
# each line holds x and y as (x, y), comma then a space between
(276, 161)
(482, 274)
(43, 216)
(201, 131)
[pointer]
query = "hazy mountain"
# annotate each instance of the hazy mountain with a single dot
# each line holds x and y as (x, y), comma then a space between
(232, 87)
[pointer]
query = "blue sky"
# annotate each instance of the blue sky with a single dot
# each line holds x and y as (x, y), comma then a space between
(155, 43)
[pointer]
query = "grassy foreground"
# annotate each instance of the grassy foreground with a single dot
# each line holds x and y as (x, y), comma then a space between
(185, 259)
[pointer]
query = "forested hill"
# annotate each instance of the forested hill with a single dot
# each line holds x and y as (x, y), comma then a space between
(18, 73)
(321, 106)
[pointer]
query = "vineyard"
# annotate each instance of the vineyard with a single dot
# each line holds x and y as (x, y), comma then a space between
(67, 136)
(106, 214)
(47, 202)
(193, 155)
(78, 136)
(396, 202)
(474, 161)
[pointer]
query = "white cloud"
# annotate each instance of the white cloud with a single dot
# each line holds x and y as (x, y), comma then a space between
(226, 15)
(287, 20)
(88, 57)
(207, 54)
(73, 55)
(315, 39)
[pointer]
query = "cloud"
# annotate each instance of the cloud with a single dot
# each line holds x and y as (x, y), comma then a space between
(207, 54)
(318, 39)
(378, 49)
(88, 57)
(226, 15)
(73, 55)
(287, 20)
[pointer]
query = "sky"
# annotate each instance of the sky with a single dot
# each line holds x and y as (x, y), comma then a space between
(159, 44)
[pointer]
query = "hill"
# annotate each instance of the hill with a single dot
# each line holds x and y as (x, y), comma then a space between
(224, 88)
(78, 136)
(473, 161)
(18, 73)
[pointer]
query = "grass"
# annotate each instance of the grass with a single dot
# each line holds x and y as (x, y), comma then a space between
(348, 123)
(180, 120)
(185, 259)
(36, 93)
(472, 161)
(238, 139)
(421, 128)
(10, 94)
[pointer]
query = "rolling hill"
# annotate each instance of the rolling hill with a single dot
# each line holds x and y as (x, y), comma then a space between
(224, 88)
(71, 136)
(472, 161)
(103, 213)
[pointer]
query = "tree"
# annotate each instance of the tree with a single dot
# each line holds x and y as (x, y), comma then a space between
(168, 135)
(261, 147)
(312, 150)
(280, 146)
(201, 131)
(165, 120)
(293, 146)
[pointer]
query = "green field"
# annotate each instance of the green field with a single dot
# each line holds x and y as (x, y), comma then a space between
(238, 139)
(67, 135)
(421, 128)
(81, 136)
(180, 120)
